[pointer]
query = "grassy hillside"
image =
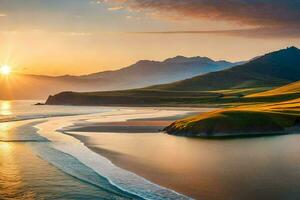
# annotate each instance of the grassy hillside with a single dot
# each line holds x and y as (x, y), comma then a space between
(141, 74)
(275, 111)
(287, 89)
(224, 88)
(147, 97)
(260, 119)
(234, 78)
(138, 97)
(273, 69)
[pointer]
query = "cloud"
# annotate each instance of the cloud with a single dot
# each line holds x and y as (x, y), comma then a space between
(115, 8)
(248, 32)
(79, 34)
(265, 15)
(97, 1)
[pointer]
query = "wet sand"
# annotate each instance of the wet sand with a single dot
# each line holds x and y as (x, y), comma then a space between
(133, 152)
(140, 155)
(257, 168)
(28, 147)
(57, 130)
(25, 174)
(135, 125)
(106, 138)
(123, 127)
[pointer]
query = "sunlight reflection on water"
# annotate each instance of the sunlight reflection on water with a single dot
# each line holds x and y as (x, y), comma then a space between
(10, 175)
(5, 108)
(4, 129)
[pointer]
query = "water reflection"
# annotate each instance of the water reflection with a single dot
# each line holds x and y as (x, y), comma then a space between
(4, 131)
(256, 168)
(12, 185)
(5, 108)
(10, 179)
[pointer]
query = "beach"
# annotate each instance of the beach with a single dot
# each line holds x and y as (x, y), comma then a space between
(121, 153)
(153, 162)
(60, 132)
(198, 168)
(39, 160)
(25, 174)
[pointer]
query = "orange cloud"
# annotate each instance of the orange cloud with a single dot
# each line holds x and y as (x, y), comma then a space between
(269, 16)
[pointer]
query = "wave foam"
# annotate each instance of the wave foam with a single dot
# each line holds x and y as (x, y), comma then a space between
(123, 179)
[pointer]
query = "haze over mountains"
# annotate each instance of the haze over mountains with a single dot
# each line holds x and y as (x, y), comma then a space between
(273, 69)
(141, 74)
(264, 72)
(147, 72)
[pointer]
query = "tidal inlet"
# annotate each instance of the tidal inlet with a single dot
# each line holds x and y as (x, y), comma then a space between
(149, 100)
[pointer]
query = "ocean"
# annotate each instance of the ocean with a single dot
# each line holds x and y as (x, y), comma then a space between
(39, 162)
(40, 159)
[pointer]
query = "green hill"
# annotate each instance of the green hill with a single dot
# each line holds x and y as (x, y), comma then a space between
(273, 69)
(226, 88)
(284, 90)
(143, 73)
(269, 113)
(260, 119)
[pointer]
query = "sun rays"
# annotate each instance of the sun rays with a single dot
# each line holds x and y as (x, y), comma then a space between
(5, 70)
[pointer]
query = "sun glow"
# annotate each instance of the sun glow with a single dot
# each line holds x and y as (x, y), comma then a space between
(5, 70)
(5, 108)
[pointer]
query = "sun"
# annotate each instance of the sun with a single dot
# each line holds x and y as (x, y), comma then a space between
(5, 70)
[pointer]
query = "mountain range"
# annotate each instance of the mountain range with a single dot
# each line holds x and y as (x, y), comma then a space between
(273, 69)
(141, 74)
(227, 86)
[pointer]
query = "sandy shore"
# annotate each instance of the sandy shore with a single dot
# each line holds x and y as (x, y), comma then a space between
(169, 173)
(133, 152)
(123, 127)
(130, 125)
(257, 168)
(26, 174)
(116, 122)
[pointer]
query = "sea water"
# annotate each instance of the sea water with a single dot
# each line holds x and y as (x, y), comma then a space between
(39, 161)
(51, 165)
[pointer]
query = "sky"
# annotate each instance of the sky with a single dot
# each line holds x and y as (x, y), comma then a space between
(57, 37)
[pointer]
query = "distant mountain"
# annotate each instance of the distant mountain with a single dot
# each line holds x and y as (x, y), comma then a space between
(273, 69)
(146, 72)
(141, 74)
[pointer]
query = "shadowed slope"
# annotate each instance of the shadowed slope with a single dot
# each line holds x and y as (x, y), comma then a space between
(223, 87)
(273, 69)
(140, 74)
(258, 118)
(261, 119)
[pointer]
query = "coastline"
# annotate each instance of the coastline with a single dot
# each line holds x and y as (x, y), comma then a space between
(177, 179)
(57, 130)
(26, 174)
(198, 168)
(124, 143)
(152, 171)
